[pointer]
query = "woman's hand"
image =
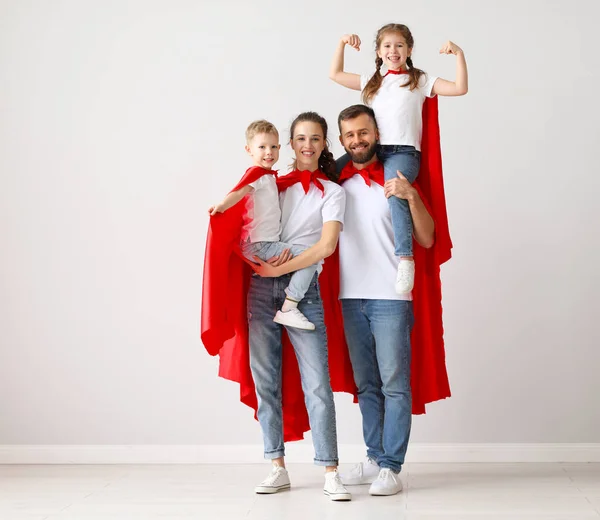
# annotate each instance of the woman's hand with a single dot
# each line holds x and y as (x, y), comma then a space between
(399, 187)
(264, 269)
(269, 269)
(450, 48)
(353, 40)
(285, 256)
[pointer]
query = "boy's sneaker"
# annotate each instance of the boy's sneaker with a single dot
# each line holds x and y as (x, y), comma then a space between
(334, 487)
(387, 483)
(362, 473)
(278, 480)
(293, 318)
(405, 277)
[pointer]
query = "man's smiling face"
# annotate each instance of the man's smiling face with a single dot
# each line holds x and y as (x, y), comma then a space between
(359, 138)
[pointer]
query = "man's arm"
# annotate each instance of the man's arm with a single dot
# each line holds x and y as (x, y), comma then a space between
(423, 224)
(231, 200)
(322, 249)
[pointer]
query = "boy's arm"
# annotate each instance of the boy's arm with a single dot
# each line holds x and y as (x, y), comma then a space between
(314, 254)
(231, 200)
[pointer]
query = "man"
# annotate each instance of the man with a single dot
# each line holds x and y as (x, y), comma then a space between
(377, 321)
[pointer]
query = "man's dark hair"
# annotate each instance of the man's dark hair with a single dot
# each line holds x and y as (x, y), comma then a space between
(353, 112)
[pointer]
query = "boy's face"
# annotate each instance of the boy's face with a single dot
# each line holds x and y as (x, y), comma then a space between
(264, 149)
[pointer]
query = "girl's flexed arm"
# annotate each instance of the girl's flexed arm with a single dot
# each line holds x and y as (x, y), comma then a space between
(336, 73)
(459, 87)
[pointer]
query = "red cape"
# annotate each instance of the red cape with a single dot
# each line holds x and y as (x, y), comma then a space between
(429, 379)
(224, 326)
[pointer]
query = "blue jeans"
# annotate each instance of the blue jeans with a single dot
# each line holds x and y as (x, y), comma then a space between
(264, 297)
(300, 280)
(407, 160)
(378, 337)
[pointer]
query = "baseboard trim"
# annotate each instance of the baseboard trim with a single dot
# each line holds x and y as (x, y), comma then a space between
(295, 453)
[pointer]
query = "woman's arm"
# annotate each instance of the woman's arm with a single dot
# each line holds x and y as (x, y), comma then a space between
(336, 72)
(459, 87)
(314, 254)
(423, 224)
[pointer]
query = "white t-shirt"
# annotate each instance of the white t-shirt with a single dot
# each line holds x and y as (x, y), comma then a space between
(368, 264)
(264, 214)
(398, 110)
(303, 215)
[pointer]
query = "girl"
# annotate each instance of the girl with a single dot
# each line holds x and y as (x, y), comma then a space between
(312, 214)
(397, 97)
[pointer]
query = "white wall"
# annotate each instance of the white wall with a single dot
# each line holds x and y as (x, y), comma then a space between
(121, 121)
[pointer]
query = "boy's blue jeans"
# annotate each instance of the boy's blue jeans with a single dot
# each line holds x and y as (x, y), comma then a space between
(299, 281)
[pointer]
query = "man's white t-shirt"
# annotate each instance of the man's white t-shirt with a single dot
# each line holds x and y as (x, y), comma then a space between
(368, 264)
(303, 214)
(263, 212)
(398, 110)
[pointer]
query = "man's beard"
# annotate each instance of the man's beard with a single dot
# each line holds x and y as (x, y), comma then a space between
(362, 157)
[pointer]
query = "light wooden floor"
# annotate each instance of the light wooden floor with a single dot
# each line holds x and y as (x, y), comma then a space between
(222, 492)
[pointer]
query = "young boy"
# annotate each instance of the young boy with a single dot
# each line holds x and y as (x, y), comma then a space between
(262, 226)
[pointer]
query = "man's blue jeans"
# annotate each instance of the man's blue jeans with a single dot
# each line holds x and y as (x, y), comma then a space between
(378, 338)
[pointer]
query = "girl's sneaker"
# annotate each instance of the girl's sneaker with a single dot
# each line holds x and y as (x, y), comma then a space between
(405, 277)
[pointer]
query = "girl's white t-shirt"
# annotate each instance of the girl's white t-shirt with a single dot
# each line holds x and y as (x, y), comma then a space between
(398, 110)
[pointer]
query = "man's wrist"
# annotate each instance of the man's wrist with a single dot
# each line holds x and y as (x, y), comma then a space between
(412, 196)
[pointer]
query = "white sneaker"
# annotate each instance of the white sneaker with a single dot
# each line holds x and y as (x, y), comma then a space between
(334, 487)
(293, 318)
(278, 480)
(405, 277)
(362, 473)
(387, 483)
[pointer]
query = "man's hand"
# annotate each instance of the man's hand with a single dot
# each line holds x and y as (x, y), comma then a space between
(399, 187)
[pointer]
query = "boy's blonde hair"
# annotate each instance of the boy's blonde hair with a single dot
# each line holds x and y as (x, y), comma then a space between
(260, 127)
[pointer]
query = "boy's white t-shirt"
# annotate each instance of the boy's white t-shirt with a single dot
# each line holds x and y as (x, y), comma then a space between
(263, 212)
(368, 264)
(398, 110)
(303, 214)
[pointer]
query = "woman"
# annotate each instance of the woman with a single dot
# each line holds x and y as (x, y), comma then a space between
(312, 207)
